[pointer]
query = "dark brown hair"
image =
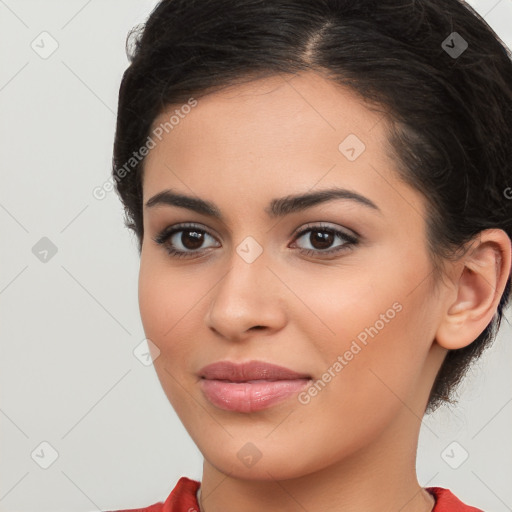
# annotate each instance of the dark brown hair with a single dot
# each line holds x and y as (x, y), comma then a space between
(440, 74)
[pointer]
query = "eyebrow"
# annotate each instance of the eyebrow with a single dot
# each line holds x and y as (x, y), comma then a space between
(278, 207)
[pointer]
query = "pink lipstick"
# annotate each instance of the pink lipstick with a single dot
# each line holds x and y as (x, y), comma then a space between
(250, 386)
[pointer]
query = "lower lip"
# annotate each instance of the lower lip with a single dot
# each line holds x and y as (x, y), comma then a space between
(250, 396)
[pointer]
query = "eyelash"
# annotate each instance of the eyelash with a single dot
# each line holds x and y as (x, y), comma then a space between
(163, 237)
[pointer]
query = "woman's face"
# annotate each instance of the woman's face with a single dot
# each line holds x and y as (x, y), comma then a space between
(339, 290)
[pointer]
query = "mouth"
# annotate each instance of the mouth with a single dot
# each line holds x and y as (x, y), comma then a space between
(251, 386)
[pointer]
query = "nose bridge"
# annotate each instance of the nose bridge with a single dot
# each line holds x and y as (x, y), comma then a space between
(245, 296)
(247, 272)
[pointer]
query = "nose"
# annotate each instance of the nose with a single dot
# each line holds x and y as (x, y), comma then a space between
(248, 300)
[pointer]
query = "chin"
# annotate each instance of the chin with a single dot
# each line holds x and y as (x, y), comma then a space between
(262, 459)
(272, 468)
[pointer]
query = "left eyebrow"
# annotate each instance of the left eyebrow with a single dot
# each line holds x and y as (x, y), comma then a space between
(296, 203)
(278, 207)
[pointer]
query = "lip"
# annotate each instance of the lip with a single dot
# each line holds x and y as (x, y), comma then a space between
(251, 370)
(250, 386)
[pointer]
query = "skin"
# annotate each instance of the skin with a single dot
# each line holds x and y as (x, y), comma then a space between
(353, 446)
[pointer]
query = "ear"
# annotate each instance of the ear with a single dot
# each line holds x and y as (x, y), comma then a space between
(479, 279)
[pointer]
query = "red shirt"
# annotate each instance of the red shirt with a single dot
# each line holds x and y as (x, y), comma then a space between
(183, 499)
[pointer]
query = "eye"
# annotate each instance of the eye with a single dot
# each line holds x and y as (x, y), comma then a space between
(183, 240)
(187, 240)
(321, 237)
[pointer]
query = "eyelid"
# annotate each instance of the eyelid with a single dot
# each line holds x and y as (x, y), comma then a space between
(168, 231)
(350, 233)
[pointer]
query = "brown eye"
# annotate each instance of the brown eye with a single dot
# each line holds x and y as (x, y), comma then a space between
(321, 239)
(184, 241)
(191, 239)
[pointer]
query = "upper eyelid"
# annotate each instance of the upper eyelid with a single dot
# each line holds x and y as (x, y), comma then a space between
(176, 228)
(321, 225)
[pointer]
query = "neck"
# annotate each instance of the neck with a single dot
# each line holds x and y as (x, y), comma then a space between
(380, 477)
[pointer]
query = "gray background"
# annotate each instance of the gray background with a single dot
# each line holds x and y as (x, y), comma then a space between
(69, 325)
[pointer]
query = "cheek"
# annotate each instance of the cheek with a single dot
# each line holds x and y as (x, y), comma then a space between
(167, 304)
(166, 297)
(379, 319)
(172, 308)
(155, 304)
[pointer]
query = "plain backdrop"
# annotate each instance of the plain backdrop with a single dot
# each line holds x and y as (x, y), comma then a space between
(74, 396)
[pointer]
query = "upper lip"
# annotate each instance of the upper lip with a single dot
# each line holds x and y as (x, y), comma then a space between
(251, 370)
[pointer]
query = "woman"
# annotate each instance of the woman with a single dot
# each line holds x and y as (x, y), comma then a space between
(321, 194)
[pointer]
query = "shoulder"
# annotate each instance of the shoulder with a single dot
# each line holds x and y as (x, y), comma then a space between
(446, 501)
(182, 499)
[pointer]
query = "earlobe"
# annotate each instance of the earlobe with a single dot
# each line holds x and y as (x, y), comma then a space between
(479, 284)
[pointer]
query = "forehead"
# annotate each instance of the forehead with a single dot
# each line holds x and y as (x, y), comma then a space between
(274, 110)
(272, 137)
